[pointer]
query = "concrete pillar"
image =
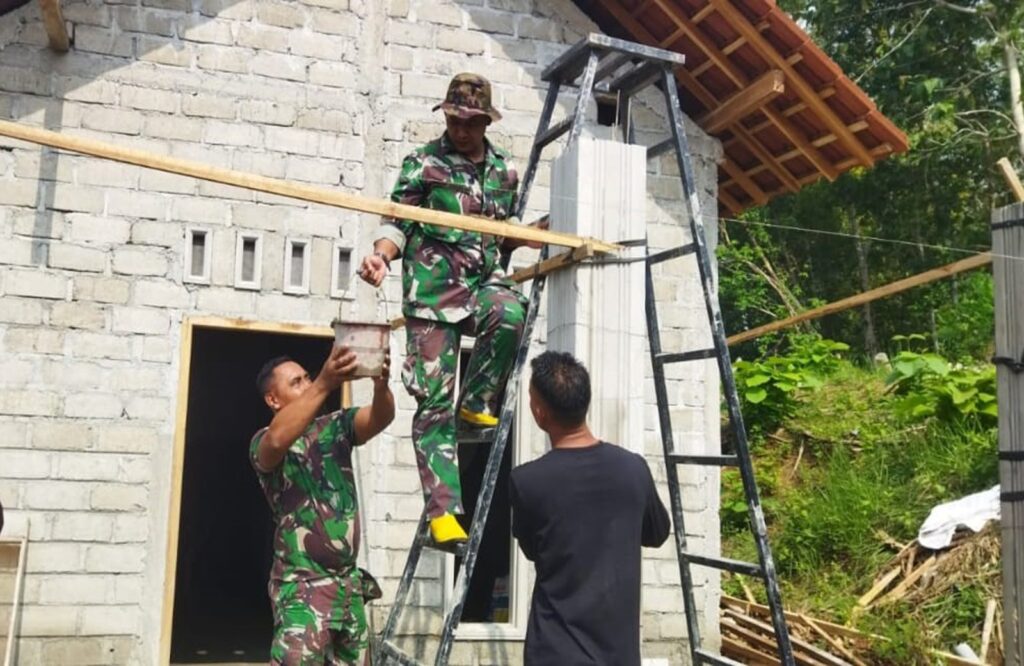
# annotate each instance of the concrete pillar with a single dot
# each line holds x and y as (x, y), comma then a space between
(597, 312)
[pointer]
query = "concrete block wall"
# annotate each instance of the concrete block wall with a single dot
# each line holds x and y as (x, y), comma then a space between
(92, 288)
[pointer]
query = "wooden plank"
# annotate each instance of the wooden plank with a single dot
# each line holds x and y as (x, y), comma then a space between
(734, 649)
(986, 629)
(833, 628)
(546, 267)
(1011, 178)
(810, 651)
(970, 263)
(743, 103)
(284, 188)
(53, 22)
(13, 626)
(767, 642)
(878, 588)
(834, 642)
(803, 89)
(556, 263)
(900, 590)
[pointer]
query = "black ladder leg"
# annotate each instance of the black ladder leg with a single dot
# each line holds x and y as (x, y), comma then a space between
(738, 428)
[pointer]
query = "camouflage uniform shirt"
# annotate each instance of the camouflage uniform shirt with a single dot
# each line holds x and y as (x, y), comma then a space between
(442, 268)
(312, 495)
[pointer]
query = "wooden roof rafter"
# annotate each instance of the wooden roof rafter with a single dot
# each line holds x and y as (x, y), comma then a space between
(777, 135)
(56, 29)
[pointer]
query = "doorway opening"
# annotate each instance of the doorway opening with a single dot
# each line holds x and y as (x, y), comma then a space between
(221, 611)
(489, 597)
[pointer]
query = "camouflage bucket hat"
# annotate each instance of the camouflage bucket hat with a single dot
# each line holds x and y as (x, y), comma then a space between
(469, 95)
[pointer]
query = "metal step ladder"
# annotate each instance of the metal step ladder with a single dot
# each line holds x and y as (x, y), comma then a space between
(612, 70)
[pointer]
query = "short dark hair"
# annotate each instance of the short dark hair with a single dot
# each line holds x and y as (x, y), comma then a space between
(564, 385)
(266, 373)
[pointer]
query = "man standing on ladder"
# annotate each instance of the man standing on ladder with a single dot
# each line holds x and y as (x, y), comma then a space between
(453, 282)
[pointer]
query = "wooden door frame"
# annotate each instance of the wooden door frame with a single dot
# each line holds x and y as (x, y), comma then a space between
(188, 326)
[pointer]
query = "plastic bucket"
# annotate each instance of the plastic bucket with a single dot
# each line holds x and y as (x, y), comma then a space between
(368, 340)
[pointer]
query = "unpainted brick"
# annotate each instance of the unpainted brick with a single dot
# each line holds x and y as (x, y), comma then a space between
(35, 284)
(263, 38)
(334, 74)
(147, 21)
(409, 34)
(441, 14)
(125, 438)
(103, 41)
(196, 29)
(109, 620)
(148, 99)
(266, 112)
(56, 495)
(100, 230)
(139, 261)
(207, 106)
(78, 315)
(150, 321)
(17, 79)
(461, 41)
(92, 405)
(39, 341)
(75, 199)
(163, 53)
(77, 258)
(280, 14)
(21, 310)
(344, 24)
(147, 408)
(487, 20)
(85, 344)
(222, 59)
(277, 66)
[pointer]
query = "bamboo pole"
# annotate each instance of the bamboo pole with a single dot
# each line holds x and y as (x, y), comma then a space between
(1008, 287)
(285, 188)
(967, 264)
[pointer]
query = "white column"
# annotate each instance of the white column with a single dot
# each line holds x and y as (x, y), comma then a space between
(597, 312)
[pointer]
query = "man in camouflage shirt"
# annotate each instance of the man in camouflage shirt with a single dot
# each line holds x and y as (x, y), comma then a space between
(453, 283)
(304, 464)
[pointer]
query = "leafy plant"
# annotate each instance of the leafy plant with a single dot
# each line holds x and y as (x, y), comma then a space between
(768, 388)
(929, 386)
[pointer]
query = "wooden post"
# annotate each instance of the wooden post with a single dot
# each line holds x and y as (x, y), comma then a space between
(1008, 274)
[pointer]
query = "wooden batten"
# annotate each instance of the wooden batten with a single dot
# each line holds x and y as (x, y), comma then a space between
(285, 188)
(53, 22)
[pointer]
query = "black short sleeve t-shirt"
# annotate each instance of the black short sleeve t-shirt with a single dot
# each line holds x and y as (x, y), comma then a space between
(581, 515)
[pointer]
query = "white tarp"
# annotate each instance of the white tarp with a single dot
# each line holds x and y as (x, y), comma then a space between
(973, 511)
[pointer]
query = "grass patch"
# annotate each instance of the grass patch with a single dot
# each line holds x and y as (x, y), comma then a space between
(864, 474)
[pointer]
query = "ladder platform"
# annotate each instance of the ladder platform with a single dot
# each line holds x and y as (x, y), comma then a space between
(705, 657)
(391, 652)
(717, 461)
(570, 64)
(682, 357)
(725, 564)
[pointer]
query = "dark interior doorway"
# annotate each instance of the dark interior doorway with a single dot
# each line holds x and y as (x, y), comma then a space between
(225, 538)
(489, 596)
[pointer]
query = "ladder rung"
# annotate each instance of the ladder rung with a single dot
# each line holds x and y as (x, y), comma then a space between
(682, 357)
(390, 651)
(554, 132)
(456, 549)
(609, 64)
(705, 657)
(725, 564)
(672, 253)
(720, 461)
(660, 148)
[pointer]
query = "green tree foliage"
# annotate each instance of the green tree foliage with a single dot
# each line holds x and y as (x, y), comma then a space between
(939, 72)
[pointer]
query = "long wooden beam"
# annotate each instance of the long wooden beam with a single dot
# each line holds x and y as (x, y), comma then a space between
(970, 263)
(53, 21)
(285, 188)
(739, 106)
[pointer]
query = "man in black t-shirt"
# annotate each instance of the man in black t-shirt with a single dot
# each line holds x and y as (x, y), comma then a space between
(581, 513)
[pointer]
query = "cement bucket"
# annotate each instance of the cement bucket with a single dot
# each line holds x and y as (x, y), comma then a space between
(368, 340)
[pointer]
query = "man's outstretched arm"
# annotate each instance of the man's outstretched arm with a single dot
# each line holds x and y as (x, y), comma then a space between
(372, 419)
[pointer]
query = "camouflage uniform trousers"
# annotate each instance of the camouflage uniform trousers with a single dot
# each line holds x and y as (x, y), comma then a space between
(432, 352)
(318, 622)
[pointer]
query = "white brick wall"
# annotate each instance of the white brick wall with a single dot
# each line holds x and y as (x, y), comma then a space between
(330, 92)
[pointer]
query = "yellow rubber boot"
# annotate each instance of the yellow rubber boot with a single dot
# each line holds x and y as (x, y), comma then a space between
(445, 529)
(478, 418)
